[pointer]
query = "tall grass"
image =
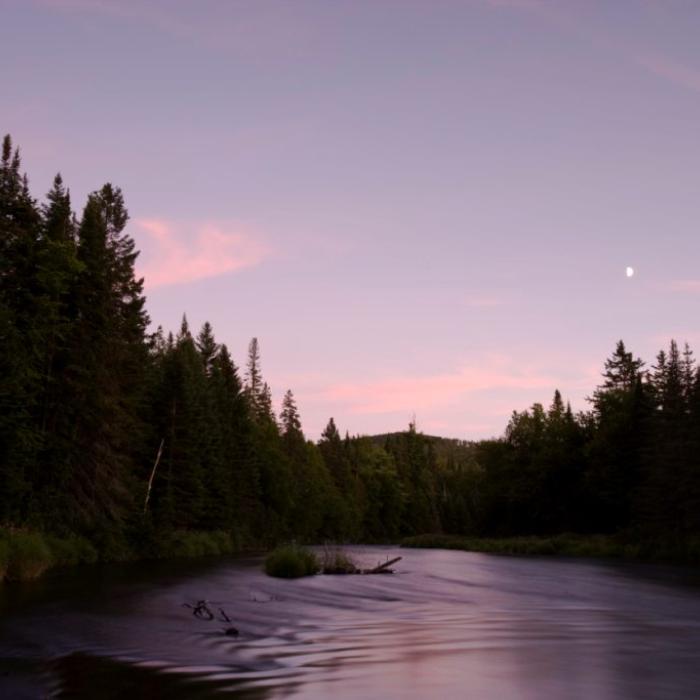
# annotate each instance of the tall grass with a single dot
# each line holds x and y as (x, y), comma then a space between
(335, 561)
(29, 556)
(26, 555)
(71, 550)
(186, 543)
(291, 561)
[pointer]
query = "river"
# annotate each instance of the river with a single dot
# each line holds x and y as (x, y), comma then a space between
(445, 625)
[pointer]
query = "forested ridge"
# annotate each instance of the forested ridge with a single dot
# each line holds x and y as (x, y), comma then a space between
(94, 408)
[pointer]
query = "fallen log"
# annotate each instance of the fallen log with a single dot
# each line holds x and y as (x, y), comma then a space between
(383, 568)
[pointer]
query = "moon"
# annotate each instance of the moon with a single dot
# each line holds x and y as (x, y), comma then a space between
(629, 271)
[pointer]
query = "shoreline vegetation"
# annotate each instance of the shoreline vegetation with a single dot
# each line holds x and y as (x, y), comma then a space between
(26, 555)
(567, 545)
(123, 441)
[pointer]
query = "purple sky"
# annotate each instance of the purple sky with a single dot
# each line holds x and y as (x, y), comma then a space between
(417, 207)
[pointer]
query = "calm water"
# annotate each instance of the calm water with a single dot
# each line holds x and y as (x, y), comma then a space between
(447, 625)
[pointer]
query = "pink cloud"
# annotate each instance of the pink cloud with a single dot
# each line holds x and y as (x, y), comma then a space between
(429, 392)
(474, 399)
(690, 286)
(457, 427)
(517, 4)
(276, 27)
(177, 255)
(483, 302)
(137, 12)
(671, 70)
(657, 64)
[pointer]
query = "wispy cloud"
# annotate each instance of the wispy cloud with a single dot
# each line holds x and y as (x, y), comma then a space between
(688, 286)
(250, 31)
(654, 62)
(517, 4)
(181, 254)
(485, 302)
(422, 393)
(140, 12)
(671, 70)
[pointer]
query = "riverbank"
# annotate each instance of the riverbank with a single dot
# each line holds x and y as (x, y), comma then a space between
(26, 554)
(568, 545)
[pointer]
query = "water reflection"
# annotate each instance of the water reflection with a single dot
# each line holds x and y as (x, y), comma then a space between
(449, 624)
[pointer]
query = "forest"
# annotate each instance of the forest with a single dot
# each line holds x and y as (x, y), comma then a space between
(125, 438)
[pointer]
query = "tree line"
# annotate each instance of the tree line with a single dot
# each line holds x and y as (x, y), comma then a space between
(119, 434)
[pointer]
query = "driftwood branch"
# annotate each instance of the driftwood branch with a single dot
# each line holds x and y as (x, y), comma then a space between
(153, 473)
(383, 568)
(342, 565)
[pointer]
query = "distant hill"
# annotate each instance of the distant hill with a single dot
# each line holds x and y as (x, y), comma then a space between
(446, 449)
(436, 439)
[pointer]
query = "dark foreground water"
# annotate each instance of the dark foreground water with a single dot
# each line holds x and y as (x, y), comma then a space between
(446, 625)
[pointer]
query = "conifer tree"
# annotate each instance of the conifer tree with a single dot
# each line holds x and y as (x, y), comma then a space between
(289, 418)
(207, 346)
(664, 484)
(265, 411)
(103, 378)
(622, 411)
(253, 377)
(237, 488)
(20, 336)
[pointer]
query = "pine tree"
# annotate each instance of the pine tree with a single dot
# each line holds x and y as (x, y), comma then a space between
(621, 370)
(289, 418)
(557, 410)
(330, 434)
(621, 414)
(666, 479)
(207, 346)
(691, 502)
(57, 270)
(266, 413)
(101, 428)
(253, 377)
(20, 336)
(240, 479)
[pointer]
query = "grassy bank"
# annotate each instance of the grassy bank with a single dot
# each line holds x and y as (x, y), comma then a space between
(26, 554)
(606, 546)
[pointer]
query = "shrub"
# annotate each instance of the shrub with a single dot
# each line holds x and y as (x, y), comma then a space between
(71, 550)
(113, 546)
(203, 544)
(224, 542)
(29, 556)
(291, 561)
(193, 543)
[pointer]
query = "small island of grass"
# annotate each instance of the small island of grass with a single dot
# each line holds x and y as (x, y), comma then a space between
(291, 561)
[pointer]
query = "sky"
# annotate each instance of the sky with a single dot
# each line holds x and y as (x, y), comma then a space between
(422, 209)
